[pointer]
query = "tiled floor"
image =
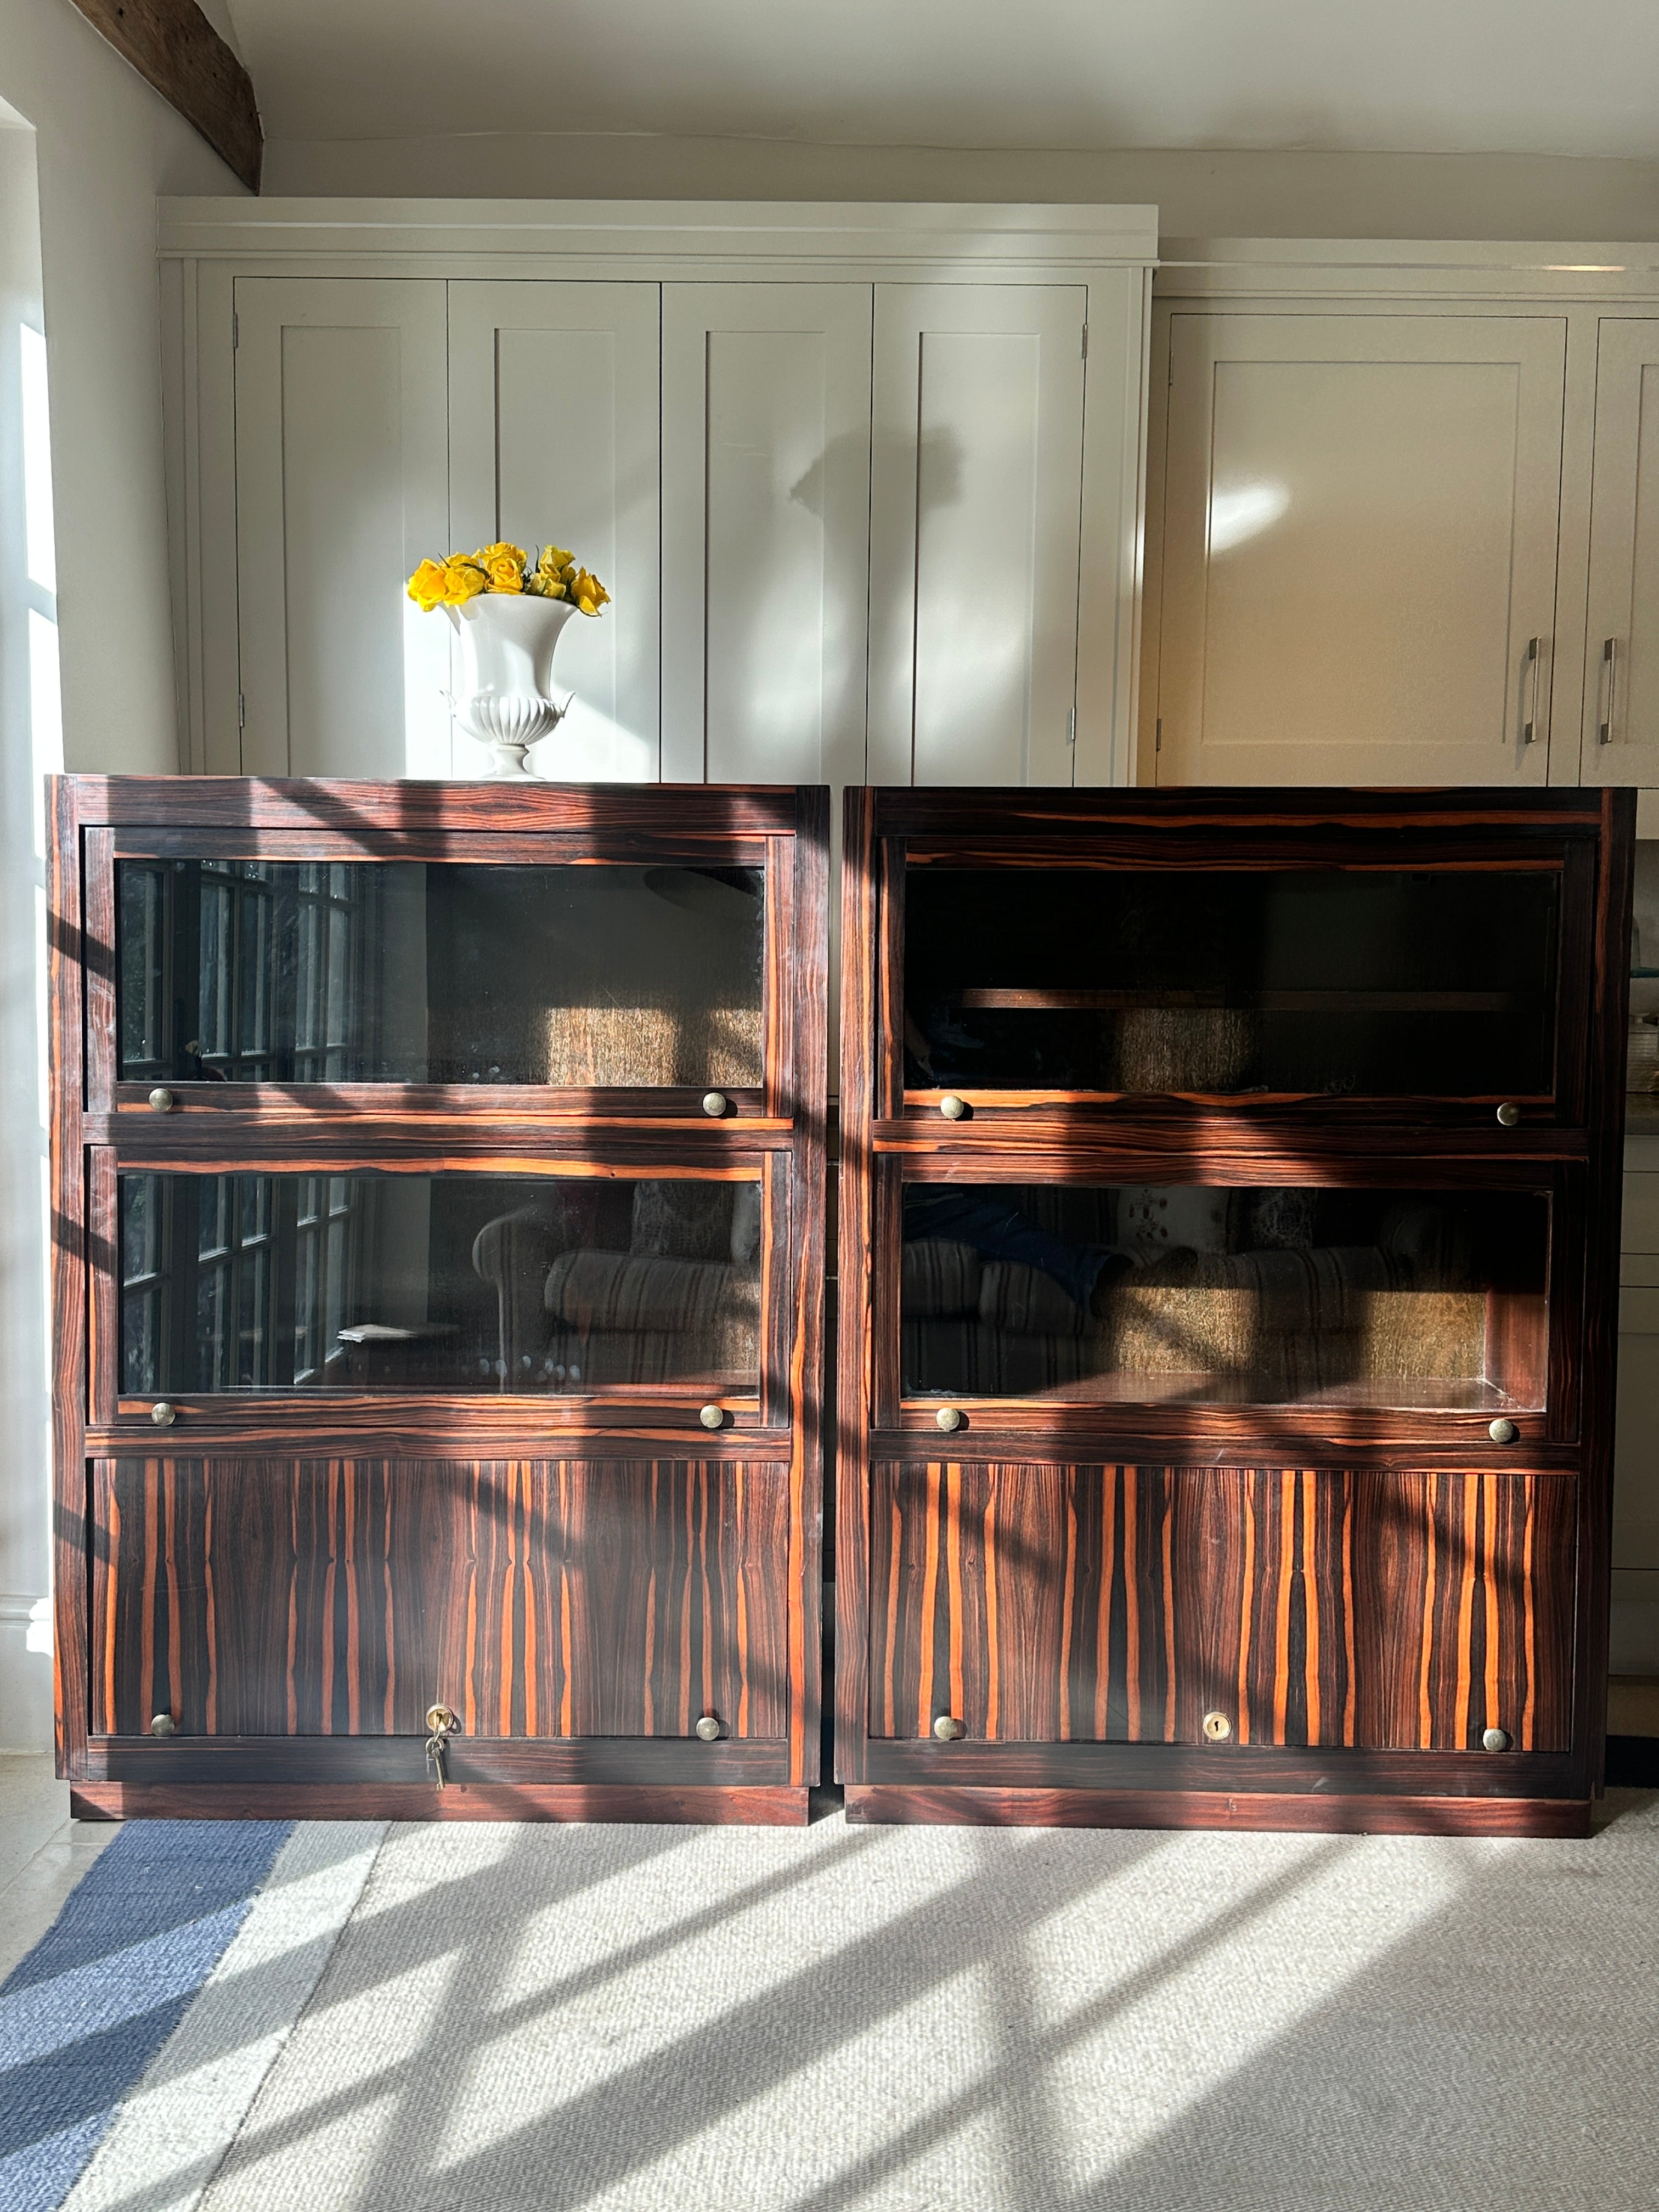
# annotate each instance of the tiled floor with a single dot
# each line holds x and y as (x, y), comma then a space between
(43, 1853)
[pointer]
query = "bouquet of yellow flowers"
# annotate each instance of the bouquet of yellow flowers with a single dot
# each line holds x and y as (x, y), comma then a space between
(553, 574)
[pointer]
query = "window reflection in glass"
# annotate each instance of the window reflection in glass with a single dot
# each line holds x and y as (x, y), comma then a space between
(1215, 1296)
(1123, 980)
(446, 1282)
(250, 971)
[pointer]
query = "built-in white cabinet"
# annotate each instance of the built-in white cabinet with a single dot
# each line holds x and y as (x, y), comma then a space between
(766, 532)
(1359, 537)
(340, 489)
(1622, 690)
(836, 467)
(555, 403)
(1402, 516)
(976, 516)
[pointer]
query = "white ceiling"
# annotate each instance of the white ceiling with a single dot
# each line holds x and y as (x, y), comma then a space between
(1539, 76)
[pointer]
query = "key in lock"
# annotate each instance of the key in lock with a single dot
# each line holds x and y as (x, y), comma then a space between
(443, 1723)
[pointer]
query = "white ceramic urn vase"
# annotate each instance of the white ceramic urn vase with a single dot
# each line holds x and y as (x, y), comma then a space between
(505, 701)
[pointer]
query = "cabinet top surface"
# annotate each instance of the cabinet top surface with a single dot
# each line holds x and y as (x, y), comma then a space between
(334, 803)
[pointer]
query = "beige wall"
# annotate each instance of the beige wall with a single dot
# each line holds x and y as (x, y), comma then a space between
(1308, 193)
(103, 146)
(106, 145)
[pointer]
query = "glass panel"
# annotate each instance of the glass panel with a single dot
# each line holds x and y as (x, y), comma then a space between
(397, 971)
(1438, 984)
(1203, 1295)
(446, 1282)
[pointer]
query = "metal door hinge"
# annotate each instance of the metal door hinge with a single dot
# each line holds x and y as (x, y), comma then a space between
(236, 330)
(241, 711)
(1158, 735)
(1085, 342)
(1071, 727)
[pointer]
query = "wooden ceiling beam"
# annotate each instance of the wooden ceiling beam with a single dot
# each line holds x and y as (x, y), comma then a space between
(173, 45)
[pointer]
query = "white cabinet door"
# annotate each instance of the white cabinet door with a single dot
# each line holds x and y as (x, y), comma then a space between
(341, 489)
(1621, 680)
(553, 435)
(976, 515)
(1360, 522)
(765, 532)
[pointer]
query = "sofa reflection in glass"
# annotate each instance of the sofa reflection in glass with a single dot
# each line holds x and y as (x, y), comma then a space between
(446, 1282)
(1160, 1292)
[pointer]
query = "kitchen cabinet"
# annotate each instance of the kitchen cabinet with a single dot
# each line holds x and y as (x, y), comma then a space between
(1620, 742)
(1359, 545)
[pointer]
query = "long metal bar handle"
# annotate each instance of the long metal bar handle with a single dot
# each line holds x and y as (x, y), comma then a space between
(1610, 662)
(1535, 661)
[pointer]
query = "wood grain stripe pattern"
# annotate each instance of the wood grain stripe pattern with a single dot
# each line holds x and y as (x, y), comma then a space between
(539, 1598)
(1352, 1608)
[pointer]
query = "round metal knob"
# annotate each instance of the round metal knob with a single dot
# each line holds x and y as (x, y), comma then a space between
(708, 1728)
(949, 1420)
(162, 1414)
(1217, 1727)
(711, 1417)
(1496, 1739)
(439, 1720)
(161, 1101)
(947, 1728)
(952, 1107)
(164, 1724)
(715, 1103)
(1508, 1115)
(1501, 1431)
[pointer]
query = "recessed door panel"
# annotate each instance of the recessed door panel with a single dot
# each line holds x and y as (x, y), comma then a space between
(554, 435)
(1360, 524)
(1238, 1607)
(340, 490)
(537, 1598)
(976, 515)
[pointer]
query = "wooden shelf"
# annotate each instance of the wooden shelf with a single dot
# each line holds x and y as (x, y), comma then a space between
(1021, 1000)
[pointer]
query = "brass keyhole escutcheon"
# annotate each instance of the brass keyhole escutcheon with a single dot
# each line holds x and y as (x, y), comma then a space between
(1217, 1727)
(441, 1724)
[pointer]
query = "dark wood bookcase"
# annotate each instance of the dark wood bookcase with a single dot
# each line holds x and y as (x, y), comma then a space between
(438, 1193)
(1229, 1236)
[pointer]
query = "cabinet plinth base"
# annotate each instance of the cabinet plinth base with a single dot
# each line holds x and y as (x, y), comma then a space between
(1375, 1815)
(771, 1808)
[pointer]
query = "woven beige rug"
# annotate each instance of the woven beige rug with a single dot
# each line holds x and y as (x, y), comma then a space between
(647, 2017)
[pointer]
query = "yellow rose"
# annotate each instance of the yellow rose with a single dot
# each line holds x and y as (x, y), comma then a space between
(554, 563)
(588, 592)
(429, 586)
(503, 565)
(462, 580)
(544, 587)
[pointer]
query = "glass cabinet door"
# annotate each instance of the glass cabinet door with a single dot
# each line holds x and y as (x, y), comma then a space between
(1391, 982)
(1205, 1295)
(578, 977)
(450, 1282)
